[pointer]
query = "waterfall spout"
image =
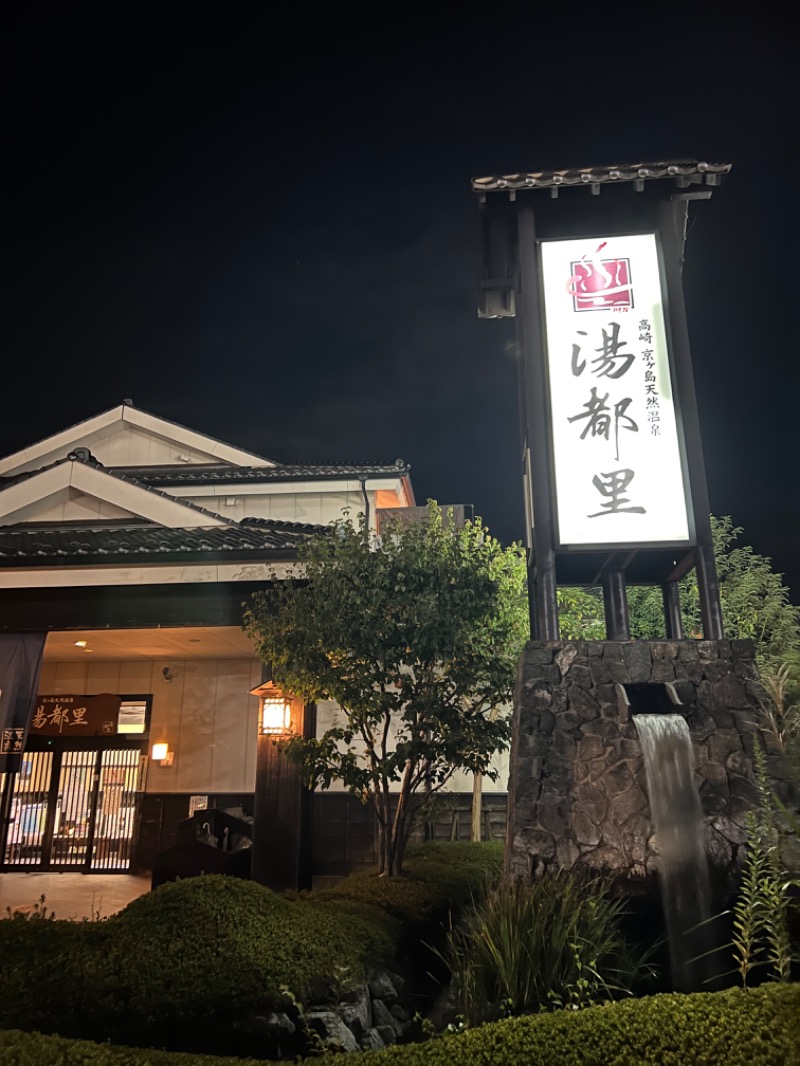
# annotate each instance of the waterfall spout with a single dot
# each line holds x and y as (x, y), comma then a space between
(678, 822)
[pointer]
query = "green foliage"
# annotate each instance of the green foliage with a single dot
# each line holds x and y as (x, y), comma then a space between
(733, 1028)
(580, 614)
(755, 602)
(761, 938)
(179, 965)
(33, 1049)
(538, 945)
(755, 606)
(460, 870)
(751, 901)
(781, 712)
(176, 961)
(416, 636)
(435, 875)
(402, 898)
(37, 913)
(763, 902)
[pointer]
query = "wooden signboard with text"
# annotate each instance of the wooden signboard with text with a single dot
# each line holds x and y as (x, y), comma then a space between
(76, 716)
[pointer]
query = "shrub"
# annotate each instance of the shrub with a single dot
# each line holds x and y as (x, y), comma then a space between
(34, 1049)
(180, 963)
(460, 870)
(535, 945)
(733, 1028)
(435, 875)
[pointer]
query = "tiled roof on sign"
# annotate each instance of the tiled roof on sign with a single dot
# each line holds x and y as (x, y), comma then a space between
(683, 172)
(144, 541)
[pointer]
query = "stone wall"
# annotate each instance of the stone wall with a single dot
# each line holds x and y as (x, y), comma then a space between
(577, 793)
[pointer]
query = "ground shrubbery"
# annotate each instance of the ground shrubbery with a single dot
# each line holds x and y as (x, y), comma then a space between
(182, 960)
(435, 875)
(183, 966)
(734, 1028)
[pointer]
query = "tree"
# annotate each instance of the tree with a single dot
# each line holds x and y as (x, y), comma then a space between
(755, 602)
(416, 636)
(755, 605)
(580, 614)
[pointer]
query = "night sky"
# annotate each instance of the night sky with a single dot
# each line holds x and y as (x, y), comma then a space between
(257, 221)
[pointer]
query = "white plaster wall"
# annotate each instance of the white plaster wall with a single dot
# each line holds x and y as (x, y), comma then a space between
(207, 716)
(67, 504)
(129, 445)
(315, 507)
(122, 444)
(205, 713)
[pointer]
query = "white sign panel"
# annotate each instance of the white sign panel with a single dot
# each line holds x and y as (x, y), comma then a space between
(615, 441)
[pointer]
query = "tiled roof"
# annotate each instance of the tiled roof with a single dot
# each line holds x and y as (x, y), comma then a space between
(24, 545)
(197, 473)
(147, 477)
(683, 172)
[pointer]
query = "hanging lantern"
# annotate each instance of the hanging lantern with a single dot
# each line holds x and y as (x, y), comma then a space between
(275, 711)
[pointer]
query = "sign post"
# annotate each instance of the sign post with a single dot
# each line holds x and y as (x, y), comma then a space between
(612, 464)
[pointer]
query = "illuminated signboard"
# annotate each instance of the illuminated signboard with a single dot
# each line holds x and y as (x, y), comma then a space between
(618, 473)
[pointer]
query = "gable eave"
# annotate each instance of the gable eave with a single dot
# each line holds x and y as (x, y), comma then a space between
(153, 504)
(65, 439)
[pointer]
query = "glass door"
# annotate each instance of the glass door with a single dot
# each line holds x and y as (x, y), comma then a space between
(115, 812)
(74, 808)
(27, 807)
(71, 810)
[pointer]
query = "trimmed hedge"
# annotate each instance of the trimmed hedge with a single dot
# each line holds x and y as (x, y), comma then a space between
(734, 1028)
(435, 875)
(186, 965)
(34, 1049)
(760, 1027)
(181, 964)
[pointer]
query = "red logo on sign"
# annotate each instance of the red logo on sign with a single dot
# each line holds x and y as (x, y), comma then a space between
(600, 284)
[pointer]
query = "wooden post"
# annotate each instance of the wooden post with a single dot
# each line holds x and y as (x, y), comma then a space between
(672, 610)
(670, 213)
(477, 807)
(282, 811)
(542, 566)
(615, 604)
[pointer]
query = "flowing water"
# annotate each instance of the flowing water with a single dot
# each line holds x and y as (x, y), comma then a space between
(678, 822)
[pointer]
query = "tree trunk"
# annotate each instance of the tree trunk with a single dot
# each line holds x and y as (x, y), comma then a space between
(477, 794)
(477, 807)
(383, 832)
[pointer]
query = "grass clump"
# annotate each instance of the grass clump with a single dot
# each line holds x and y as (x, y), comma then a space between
(535, 945)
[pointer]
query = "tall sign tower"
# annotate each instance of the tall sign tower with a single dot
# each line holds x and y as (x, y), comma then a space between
(589, 262)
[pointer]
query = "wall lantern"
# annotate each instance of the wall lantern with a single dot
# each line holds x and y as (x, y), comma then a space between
(275, 711)
(162, 754)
